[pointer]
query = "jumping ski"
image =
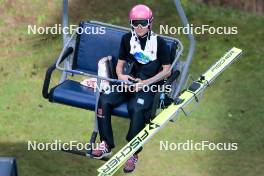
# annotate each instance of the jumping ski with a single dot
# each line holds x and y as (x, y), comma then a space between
(187, 96)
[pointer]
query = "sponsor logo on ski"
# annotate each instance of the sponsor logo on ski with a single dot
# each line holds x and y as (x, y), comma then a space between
(153, 126)
(128, 150)
(114, 162)
(222, 61)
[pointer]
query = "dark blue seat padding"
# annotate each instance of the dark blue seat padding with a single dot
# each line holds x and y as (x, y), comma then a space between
(92, 47)
(89, 49)
(74, 94)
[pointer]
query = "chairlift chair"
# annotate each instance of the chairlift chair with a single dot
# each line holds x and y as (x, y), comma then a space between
(81, 53)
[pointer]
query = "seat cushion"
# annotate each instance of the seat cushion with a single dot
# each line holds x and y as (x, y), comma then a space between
(74, 94)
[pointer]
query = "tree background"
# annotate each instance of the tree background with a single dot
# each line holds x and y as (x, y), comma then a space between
(256, 6)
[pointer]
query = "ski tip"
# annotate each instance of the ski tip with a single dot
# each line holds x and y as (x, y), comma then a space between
(237, 50)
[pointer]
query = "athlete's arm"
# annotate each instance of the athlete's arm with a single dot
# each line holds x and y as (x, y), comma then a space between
(119, 71)
(165, 69)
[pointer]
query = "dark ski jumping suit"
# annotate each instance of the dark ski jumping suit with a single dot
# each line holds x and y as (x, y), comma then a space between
(139, 103)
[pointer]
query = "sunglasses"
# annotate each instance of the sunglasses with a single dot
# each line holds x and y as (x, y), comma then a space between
(142, 23)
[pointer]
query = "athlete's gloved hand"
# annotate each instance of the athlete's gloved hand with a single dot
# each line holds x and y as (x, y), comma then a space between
(125, 77)
(139, 85)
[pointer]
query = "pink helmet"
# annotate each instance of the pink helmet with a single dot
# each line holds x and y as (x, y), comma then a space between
(140, 12)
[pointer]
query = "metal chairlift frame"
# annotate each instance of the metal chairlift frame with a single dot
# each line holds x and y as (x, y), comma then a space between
(70, 41)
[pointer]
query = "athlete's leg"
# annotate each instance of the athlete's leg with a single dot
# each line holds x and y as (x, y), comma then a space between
(105, 105)
(139, 109)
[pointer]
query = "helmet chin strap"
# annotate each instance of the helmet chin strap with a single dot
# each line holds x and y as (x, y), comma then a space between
(149, 32)
(134, 33)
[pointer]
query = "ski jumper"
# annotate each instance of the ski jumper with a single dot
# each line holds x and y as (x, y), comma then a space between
(148, 53)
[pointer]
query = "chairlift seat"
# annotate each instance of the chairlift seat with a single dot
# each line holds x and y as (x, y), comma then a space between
(74, 94)
(89, 48)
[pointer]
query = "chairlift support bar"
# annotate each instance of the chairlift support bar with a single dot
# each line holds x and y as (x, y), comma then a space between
(65, 37)
(190, 51)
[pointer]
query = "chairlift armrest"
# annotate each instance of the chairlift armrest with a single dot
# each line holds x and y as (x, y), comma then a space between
(95, 76)
(45, 89)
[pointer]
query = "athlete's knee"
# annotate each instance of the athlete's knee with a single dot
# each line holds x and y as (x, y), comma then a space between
(100, 112)
(137, 110)
(103, 108)
(138, 120)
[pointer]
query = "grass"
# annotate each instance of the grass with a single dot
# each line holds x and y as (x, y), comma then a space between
(231, 110)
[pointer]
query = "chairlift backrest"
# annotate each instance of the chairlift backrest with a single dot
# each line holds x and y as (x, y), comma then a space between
(92, 47)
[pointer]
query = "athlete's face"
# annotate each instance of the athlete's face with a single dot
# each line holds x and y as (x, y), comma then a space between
(140, 30)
